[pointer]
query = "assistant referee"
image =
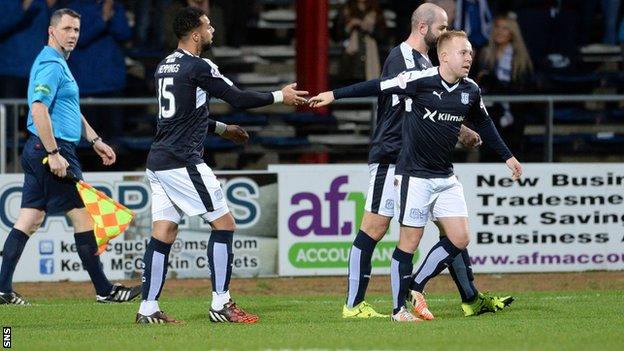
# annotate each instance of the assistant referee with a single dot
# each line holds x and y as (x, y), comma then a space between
(56, 126)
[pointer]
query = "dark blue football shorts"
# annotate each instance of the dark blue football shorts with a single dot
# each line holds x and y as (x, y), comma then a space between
(43, 190)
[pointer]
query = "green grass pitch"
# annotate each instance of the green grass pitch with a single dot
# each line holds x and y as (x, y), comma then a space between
(570, 320)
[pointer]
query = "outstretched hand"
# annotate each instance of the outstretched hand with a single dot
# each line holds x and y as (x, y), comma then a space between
(515, 167)
(293, 97)
(322, 99)
(235, 134)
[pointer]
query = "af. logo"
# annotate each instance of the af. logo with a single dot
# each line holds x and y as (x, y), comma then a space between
(465, 98)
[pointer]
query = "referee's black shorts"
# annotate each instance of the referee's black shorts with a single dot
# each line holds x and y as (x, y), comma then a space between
(42, 190)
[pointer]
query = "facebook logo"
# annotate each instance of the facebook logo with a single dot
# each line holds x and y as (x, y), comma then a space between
(46, 266)
(46, 247)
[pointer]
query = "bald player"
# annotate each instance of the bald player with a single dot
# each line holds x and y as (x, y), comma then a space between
(429, 21)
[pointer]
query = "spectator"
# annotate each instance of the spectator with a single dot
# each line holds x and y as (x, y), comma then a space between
(149, 31)
(360, 25)
(506, 68)
(23, 31)
(610, 12)
(236, 17)
(551, 30)
(474, 18)
(98, 62)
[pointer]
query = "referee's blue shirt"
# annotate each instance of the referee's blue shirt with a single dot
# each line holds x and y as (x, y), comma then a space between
(52, 84)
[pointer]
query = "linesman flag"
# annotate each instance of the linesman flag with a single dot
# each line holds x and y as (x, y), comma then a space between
(110, 218)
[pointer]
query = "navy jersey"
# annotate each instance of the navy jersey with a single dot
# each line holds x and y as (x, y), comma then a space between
(386, 141)
(431, 131)
(185, 83)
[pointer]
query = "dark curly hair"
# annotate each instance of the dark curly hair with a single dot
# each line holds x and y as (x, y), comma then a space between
(186, 20)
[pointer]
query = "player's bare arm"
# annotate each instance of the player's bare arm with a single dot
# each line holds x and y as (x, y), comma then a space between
(106, 153)
(41, 119)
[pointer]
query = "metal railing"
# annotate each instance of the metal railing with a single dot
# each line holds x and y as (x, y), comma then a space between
(550, 101)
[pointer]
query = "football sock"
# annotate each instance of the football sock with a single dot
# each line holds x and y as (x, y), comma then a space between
(461, 271)
(148, 307)
(359, 268)
(13, 248)
(400, 277)
(219, 300)
(220, 258)
(155, 261)
(87, 248)
(438, 258)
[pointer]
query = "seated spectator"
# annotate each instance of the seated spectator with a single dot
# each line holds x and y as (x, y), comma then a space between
(98, 62)
(360, 26)
(505, 68)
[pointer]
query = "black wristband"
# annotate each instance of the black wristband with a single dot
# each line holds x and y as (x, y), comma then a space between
(53, 152)
(95, 140)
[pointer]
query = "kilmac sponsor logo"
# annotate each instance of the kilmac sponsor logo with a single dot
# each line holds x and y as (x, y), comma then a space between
(443, 116)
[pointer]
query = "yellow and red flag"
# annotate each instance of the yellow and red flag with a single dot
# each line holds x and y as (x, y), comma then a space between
(110, 218)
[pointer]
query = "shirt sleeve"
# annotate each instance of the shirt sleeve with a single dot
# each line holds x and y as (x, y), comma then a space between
(483, 125)
(405, 83)
(46, 82)
(208, 77)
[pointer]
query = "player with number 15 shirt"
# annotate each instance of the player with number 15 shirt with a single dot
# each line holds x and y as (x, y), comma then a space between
(181, 183)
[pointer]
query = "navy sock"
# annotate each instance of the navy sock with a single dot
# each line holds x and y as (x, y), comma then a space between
(461, 271)
(155, 262)
(220, 258)
(359, 268)
(401, 277)
(87, 247)
(13, 248)
(439, 257)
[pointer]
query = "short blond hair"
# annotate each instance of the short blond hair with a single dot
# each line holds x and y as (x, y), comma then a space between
(448, 36)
